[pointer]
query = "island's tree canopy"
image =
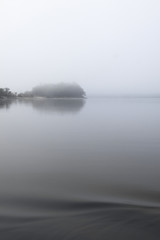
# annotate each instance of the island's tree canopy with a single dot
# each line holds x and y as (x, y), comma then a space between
(6, 93)
(60, 90)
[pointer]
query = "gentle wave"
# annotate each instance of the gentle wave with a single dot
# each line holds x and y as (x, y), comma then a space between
(82, 220)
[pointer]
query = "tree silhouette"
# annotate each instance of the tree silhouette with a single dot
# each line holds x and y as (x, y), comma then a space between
(60, 90)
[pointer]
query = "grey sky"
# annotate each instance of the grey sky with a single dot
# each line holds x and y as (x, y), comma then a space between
(107, 46)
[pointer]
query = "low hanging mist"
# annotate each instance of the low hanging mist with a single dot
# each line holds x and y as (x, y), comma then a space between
(79, 120)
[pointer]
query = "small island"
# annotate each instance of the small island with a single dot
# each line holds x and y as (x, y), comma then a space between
(59, 90)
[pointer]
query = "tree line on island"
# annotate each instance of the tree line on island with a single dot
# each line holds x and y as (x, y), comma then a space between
(6, 93)
(59, 90)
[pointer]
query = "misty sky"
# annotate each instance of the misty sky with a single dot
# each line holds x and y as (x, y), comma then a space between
(107, 46)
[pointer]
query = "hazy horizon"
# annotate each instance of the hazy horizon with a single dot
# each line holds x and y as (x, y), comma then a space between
(108, 47)
(80, 161)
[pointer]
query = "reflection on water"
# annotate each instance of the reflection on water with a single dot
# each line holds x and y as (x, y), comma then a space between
(55, 105)
(5, 103)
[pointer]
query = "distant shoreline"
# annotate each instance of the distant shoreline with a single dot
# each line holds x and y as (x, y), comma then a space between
(123, 96)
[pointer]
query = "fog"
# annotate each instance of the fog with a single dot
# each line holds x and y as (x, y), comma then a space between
(107, 46)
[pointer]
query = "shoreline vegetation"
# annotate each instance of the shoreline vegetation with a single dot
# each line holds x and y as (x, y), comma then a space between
(57, 91)
(5, 93)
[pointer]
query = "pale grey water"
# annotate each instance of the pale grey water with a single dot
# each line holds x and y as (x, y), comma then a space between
(75, 155)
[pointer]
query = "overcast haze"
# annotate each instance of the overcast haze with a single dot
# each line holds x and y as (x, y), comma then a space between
(107, 46)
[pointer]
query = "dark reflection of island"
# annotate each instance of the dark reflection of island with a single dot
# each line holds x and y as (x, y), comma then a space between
(5, 104)
(62, 106)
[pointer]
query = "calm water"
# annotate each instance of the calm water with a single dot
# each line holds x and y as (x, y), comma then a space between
(76, 169)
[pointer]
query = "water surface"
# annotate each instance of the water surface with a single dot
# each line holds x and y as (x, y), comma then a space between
(80, 169)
